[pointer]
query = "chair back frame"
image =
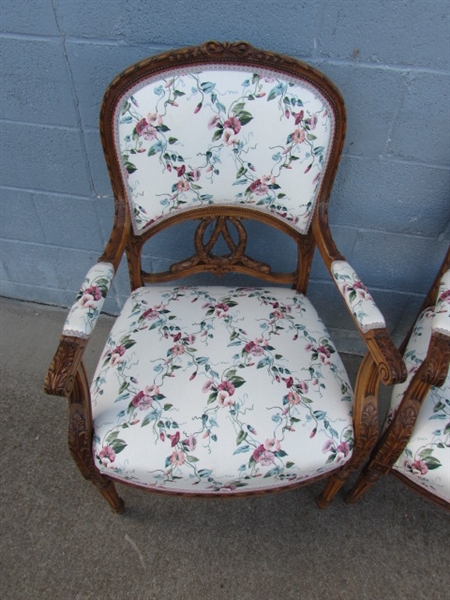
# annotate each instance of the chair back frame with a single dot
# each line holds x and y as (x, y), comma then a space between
(222, 216)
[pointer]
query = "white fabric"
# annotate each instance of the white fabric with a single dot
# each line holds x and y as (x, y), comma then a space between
(225, 135)
(86, 309)
(220, 391)
(357, 297)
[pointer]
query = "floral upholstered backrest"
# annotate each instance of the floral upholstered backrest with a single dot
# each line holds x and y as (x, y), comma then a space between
(223, 134)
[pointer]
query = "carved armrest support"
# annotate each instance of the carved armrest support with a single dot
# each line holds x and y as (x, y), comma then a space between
(370, 322)
(434, 369)
(60, 378)
(391, 367)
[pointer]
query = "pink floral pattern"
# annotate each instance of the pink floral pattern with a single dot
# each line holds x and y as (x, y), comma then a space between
(223, 136)
(189, 397)
(357, 297)
(86, 309)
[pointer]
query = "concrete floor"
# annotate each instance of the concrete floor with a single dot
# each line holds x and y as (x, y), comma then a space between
(60, 541)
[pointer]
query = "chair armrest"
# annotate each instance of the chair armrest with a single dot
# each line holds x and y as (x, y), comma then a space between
(357, 297)
(86, 309)
(79, 324)
(370, 321)
(389, 361)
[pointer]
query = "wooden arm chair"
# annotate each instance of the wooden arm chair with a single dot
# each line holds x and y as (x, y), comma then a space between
(211, 390)
(415, 446)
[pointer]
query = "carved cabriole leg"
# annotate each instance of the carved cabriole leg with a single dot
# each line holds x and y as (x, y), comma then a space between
(366, 427)
(388, 450)
(80, 441)
(363, 484)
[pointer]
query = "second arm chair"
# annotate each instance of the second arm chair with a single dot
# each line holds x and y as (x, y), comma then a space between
(415, 446)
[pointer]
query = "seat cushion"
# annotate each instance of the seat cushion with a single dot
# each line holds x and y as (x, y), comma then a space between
(216, 390)
(426, 458)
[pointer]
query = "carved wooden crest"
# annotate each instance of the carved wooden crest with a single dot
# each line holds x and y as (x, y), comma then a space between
(220, 264)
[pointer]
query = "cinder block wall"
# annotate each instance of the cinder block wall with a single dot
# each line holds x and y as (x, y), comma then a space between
(391, 204)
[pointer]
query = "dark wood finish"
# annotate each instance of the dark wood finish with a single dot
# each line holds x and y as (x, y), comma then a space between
(432, 372)
(66, 375)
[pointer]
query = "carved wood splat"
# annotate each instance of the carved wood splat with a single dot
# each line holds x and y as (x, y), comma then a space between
(220, 264)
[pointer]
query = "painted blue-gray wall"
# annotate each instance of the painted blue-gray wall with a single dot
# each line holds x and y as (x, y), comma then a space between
(390, 211)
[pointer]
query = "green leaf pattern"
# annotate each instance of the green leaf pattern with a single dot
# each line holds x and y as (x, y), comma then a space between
(88, 303)
(426, 457)
(223, 391)
(357, 296)
(194, 139)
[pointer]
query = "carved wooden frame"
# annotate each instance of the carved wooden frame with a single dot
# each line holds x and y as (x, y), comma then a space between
(66, 375)
(432, 372)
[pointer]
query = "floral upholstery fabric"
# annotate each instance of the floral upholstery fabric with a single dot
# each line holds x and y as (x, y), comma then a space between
(88, 303)
(441, 319)
(220, 391)
(357, 297)
(223, 135)
(426, 458)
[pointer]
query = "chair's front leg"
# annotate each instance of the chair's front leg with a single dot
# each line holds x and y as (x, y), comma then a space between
(80, 441)
(387, 452)
(366, 428)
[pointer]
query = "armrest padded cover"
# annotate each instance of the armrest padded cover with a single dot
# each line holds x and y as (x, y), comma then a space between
(88, 303)
(357, 297)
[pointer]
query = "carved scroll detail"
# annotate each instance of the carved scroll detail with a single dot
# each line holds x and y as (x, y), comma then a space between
(391, 368)
(220, 264)
(80, 447)
(222, 51)
(396, 439)
(435, 367)
(369, 429)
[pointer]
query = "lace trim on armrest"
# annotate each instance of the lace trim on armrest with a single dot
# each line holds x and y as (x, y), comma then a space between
(75, 333)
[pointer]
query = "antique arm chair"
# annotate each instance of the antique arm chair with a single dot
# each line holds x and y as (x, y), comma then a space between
(211, 390)
(415, 445)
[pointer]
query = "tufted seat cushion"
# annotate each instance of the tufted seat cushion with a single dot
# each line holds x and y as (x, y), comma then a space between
(191, 397)
(426, 458)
